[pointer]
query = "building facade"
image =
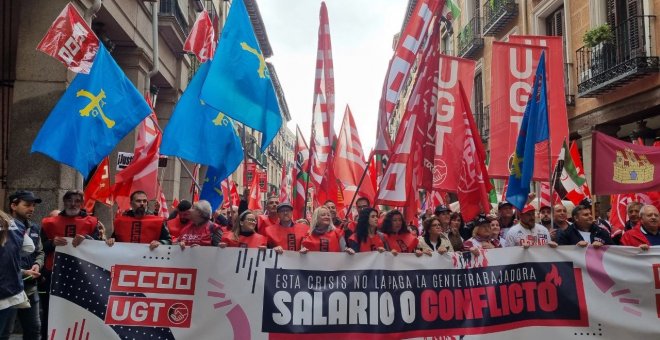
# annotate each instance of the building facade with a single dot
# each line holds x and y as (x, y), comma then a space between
(33, 82)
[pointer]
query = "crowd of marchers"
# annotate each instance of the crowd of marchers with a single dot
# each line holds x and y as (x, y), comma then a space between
(27, 247)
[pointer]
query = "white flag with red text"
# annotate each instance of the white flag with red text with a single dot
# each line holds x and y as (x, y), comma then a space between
(201, 39)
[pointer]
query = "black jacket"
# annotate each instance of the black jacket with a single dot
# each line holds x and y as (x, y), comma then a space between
(571, 236)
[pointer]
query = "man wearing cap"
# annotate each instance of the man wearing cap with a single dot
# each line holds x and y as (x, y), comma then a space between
(528, 233)
(181, 220)
(647, 233)
(138, 225)
(270, 218)
(286, 235)
(506, 217)
(443, 213)
(583, 231)
(21, 207)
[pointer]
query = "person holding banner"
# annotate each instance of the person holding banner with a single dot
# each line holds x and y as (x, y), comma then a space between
(482, 236)
(528, 233)
(243, 233)
(397, 235)
(583, 231)
(137, 225)
(434, 239)
(201, 231)
(323, 236)
(286, 234)
(645, 234)
(366, 236)
(181, 220)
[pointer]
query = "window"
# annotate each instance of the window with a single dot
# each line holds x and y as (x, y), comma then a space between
(554, 23)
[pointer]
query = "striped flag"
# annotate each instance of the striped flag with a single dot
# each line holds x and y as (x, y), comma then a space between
(300, 176)
(544, 200)
(569, 183)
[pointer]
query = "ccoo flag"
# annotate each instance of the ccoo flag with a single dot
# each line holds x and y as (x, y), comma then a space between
(534, 129)
(238, 82)
(96, 111)
(201, 134)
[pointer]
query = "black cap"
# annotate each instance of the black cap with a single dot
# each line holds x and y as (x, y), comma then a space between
(441, 208)
(587, 202)
(481, 219)
(184, 205)
(284, 205)
(23, 195)
(503, 204)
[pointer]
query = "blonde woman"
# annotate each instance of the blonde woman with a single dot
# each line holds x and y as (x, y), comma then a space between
(323, 236)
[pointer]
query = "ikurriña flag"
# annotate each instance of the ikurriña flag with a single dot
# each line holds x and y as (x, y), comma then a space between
(96, 112)
(238, 82)
(622, 167)
(533, 130)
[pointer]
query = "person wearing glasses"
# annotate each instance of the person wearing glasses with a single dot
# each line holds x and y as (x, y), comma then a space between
(434, 240)
(286, 234)
(243, 233)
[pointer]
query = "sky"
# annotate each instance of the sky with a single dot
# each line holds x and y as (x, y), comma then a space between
(361, 31)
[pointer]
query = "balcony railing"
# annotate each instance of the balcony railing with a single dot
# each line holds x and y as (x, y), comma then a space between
(470, 41)
(497, 14)
(603, 68)
(169, 9)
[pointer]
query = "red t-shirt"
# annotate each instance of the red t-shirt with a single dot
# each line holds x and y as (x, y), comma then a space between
(288, 238)
(254, 240)
(403, 243)
(372, 243)
(264, 221)
(328, 242)
(199, 235)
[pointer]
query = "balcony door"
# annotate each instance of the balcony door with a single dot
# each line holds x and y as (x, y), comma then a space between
(625, 17)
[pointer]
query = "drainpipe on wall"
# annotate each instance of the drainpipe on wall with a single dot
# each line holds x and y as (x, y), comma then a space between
(154, 38)
(524, 17)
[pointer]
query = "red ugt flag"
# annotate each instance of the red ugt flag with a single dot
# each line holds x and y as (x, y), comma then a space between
(201, 40)
(70, 40)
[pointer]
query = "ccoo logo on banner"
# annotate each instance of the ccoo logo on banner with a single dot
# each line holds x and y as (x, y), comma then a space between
(129, 292)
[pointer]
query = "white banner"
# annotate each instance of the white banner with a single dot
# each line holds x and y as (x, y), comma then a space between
(127, 291)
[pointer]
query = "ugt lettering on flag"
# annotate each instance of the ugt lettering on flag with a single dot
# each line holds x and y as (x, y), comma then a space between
(96, 111)
(534, 129)
(238, 82)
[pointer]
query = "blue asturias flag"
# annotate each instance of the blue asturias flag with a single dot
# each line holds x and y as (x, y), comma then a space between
(201, 134)
(238, 82)
(96, 111)
(212, 190)
(534, 129)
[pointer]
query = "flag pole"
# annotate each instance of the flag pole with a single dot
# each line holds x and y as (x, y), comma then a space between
(364, 174)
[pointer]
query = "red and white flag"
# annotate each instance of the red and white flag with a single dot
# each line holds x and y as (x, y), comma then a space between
(349, 161)
(300, 176)
(163, 212)
(285, 185)
(142, 172)
(510, 88)
(323, 115)
(474, 183)
(98, 187)
(70, 40)
(254, 201)
(399, 68)
(544, 200)
(226, 199)
(201, 40)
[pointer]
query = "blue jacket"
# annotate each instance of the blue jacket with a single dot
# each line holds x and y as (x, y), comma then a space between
(571, 236)
(11, 282)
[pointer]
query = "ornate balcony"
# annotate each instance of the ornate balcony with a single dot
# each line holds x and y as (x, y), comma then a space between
(470, 41)
(607, 66)
(498, 14)
(172, 24)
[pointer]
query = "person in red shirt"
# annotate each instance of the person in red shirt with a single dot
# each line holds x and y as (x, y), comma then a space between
(646, 233)
(398, 236)
(200, 231)
(181, 220)
(243, 233)
(286, 235)
(270, 218)
(138, 225)
(366, 237)
(323, 236)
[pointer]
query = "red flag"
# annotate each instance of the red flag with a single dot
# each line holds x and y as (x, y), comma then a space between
(544, 200)
(556, 90)
(263, 181)
(474, 183)
(439, 153)
(142, 172)
(510, 88)
(201, 40)
(300, 176)
(175, 203)
(583, 191)
(349, 161)
(226, 199)
(285, 185)
(254, 202)
(399, 69)
(624, 167)
(70, 40)
(98, 187)
(163, 212)
(235, 198)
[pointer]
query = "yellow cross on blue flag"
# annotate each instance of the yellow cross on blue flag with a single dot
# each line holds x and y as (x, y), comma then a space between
(238, 82)
(201, 134)
(534, 129)
(96, 112)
